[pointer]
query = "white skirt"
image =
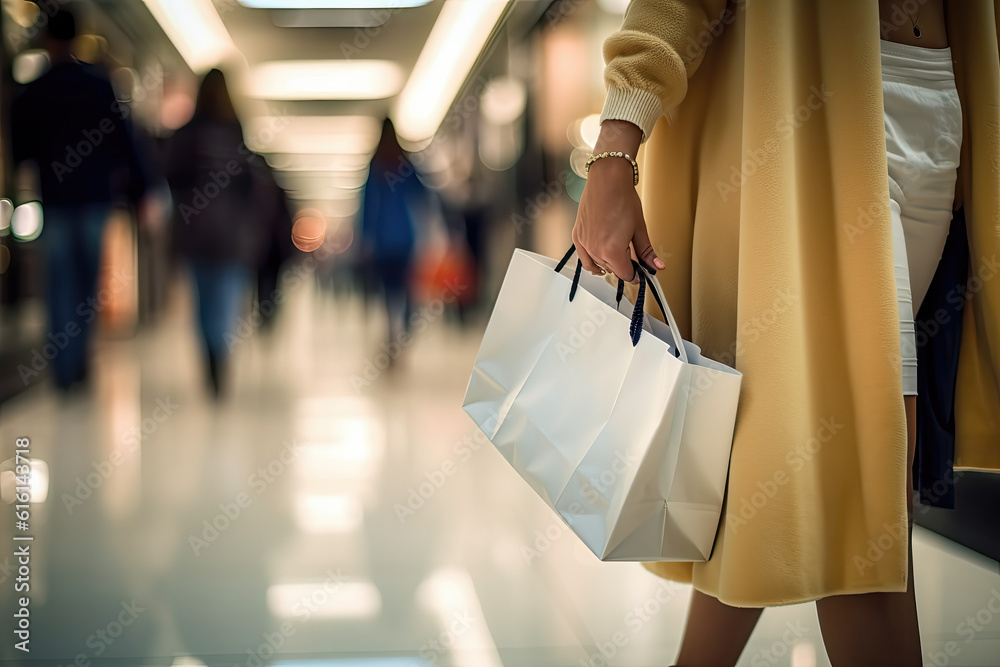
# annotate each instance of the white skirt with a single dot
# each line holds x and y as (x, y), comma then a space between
(923, 137)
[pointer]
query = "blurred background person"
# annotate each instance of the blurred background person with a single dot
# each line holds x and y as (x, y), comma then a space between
(388, 228)
(279, 248)
(69, 122)
(219, 230)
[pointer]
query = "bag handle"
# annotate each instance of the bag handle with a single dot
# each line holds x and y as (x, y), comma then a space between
(646, 274)
(576, 276)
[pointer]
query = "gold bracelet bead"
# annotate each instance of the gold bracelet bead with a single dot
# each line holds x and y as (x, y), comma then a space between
(600, 156)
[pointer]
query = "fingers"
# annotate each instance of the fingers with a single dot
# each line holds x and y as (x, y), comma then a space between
(620, 263)
(585, 259)
(644, 249)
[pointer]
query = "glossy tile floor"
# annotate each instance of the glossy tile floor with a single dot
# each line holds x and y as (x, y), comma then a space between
(331, 514)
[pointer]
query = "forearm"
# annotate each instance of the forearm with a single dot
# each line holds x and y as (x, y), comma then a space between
(651, 58)
(619, 135)
(616, 136)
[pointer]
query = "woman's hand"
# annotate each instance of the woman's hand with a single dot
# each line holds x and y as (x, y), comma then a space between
(609, 219)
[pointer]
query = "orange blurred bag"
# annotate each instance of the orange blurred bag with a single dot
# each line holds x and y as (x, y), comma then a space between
(445, 270)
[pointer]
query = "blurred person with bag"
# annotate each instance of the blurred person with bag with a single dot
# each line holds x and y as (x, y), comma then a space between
(219, 230)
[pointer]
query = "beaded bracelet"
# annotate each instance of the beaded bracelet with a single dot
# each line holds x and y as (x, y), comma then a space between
(635, 166)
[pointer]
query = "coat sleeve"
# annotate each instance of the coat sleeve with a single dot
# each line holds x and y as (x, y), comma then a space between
(660, 45)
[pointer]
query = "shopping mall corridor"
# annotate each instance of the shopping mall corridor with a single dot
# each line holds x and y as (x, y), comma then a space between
(335, 518)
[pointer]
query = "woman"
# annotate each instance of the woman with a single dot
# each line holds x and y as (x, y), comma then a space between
(218, 226)
(805, 174)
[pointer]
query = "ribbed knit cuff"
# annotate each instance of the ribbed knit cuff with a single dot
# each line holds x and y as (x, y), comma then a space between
(635, 106)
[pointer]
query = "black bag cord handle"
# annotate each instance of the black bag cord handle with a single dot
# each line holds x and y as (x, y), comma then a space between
(635, 329)
(641, 269)
(576, 274)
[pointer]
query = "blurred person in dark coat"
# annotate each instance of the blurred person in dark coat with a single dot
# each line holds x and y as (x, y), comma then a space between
(69, 122)
(218, 230)
(388, 229)
(278, 247)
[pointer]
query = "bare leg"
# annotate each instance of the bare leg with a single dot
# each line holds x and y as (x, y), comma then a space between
(715, 634)
(876, 628)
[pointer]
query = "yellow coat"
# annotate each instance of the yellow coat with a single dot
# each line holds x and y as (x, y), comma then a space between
(765, 190)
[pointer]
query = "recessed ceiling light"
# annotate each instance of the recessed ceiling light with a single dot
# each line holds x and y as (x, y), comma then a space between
(330, 18)
(317, 162)
(317, 125)
(314, 134)
(462, 29)
(325, 80)
(332, 4)
(196, 31)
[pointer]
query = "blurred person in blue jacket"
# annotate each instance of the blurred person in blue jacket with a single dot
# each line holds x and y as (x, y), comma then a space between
(221, 202)
(388, 229)
(69, 122)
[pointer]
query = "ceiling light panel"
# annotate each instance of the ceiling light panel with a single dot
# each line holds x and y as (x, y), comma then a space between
(196, 31)
(332, 4)
(458, 37)
(346, 135)
(325, 80)
(318, 162)
(330, 18)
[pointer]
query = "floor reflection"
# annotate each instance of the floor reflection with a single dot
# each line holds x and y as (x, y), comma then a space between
(310, 521)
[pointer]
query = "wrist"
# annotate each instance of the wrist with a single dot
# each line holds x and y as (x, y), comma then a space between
(612, 165)
(622, 160)
(619, 135)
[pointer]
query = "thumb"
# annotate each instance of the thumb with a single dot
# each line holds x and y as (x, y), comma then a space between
(644, 248)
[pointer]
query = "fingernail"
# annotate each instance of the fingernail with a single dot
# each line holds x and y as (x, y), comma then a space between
(659, 263)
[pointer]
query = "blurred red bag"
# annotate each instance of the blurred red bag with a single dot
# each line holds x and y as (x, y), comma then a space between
(445, 270)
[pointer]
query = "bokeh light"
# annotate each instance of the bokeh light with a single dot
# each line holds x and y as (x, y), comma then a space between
(29, 65)
(26, 222)
(6, 213)
(309, 230)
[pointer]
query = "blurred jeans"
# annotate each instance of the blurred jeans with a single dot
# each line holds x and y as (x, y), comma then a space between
(73, 237)
(220, 289)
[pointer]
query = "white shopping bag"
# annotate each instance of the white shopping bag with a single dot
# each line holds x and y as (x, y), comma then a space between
(623, 434)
